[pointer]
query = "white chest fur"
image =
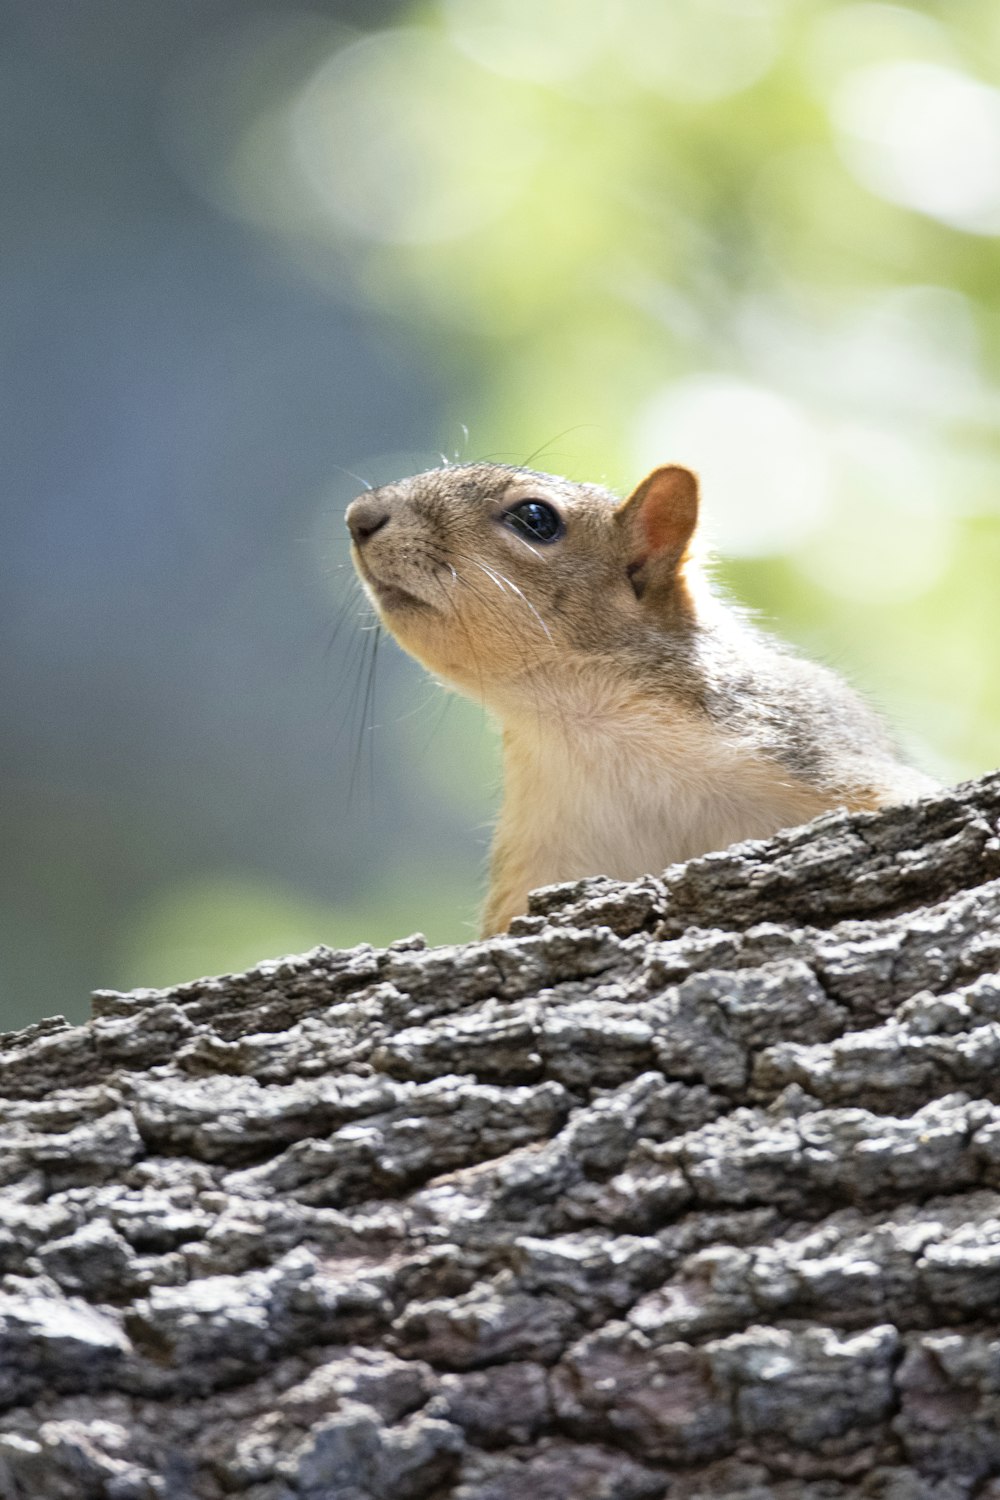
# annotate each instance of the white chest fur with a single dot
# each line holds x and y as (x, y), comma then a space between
(622, 788)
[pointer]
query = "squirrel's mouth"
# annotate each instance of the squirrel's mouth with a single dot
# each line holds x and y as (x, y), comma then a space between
(389, 596)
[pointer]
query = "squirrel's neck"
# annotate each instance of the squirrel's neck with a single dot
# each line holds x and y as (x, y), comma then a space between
(604, 776)
(582, 710)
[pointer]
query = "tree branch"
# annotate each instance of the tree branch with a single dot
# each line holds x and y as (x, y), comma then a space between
(688, 1187)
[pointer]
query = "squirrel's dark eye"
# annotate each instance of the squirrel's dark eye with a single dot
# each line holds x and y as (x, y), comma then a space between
(535, 519)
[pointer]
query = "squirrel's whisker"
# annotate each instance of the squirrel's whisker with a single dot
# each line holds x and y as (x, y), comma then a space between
(494, 612)
(489, 602)
(577, 427)
(338, 623)
(525, 543)
(521, 596)
(503, 582)
(351, 475)
(368, 702)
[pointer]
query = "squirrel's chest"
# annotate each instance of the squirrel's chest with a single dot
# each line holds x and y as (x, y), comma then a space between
(624, 801)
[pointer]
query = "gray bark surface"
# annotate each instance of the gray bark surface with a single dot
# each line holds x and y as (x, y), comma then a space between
(687, 1187)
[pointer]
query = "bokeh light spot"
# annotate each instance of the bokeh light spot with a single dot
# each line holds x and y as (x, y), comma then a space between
(878, 554)
(924, 136)
(843, 38)
(406, 141)
(701, 50)
(762, 461)
(524, 40)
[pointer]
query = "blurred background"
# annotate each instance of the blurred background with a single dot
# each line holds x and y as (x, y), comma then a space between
(256, 253)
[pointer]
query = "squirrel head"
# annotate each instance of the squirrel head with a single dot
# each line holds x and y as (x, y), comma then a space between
(487, 574)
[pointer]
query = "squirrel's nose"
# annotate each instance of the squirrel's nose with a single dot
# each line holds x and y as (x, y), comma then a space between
(366, 516)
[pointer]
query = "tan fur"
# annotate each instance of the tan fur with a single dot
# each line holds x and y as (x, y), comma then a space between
(658, 786)
(643, 721)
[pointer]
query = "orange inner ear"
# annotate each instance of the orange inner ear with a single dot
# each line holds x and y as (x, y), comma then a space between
(668, 509)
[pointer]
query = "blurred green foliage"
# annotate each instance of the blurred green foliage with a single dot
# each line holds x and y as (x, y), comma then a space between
(758, 236)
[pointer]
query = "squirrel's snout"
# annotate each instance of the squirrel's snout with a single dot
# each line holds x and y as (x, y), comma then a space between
(366, 516)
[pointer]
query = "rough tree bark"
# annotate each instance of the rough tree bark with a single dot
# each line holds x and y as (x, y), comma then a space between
(688, 1187)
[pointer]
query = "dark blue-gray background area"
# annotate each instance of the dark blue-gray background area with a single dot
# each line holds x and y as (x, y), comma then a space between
(176, 400)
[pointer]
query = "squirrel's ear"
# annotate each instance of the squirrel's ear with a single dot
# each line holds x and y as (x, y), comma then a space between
(659, 518)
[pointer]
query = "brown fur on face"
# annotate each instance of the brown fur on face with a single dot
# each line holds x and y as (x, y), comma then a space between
(485, 607)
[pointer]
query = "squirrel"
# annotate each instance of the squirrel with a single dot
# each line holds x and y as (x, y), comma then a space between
(644, 719)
